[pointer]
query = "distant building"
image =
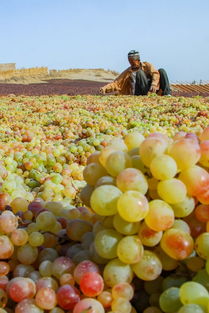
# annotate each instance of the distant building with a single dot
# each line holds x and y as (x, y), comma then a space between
(7, 66)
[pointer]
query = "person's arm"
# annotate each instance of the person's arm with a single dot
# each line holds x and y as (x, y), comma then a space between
(115, 85)
(155, 78)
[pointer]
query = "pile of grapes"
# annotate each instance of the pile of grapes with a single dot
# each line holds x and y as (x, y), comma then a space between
(139, 243)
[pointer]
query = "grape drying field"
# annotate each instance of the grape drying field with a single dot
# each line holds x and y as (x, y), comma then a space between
(104, 201)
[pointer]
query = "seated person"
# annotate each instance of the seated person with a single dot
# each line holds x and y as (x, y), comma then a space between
(139, 79)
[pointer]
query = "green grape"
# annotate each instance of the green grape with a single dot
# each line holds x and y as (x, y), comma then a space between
(104, 200)
(124, 227)
(202, 245)
(172, 190)
(173, 281)
(132, 206)
(192, 292)
(191, 308)
(130, 250)
(45, 220)
(133, 140)
(170, 300)
(106, 242)
(184, 208)
(132, 179)
(116, 162)
(92, 172)
(163, 167)
(182, 225)
(116, 272)
(149, 267)
(36, 239)
(202, 278)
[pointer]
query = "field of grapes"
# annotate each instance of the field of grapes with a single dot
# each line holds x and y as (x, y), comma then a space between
(104, 204)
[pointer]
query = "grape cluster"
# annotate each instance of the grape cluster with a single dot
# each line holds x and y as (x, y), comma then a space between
(140, 243)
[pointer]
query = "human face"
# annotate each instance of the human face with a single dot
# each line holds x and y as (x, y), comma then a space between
(135, 63)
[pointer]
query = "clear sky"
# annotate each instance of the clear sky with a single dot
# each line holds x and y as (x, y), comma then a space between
(65, 34)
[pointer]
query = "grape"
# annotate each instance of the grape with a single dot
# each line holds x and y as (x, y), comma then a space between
(67, 279)
(104, 154)
(123, 290)
(148, 236)
(105, 180)
(150, 148)
(194, 263)
(118, 144)
(8, 222)
(163, 167)
(132, 206)
(45, 220)
(3, 299)
(105, 298)
(133, 140)
(19, 237)
(56, 310)
(36, 239)
(202, 213)
(62, 265)
(84, 267)
(170, 300)
(160, 216)
(88, 304)
(132, 179)
(196, 227)
(91, 284)
(7, 247)
(92, 172)
(45, 268)
(177, 244)
(106, 242)
(184, 208)
(19, 204)
(47, 254)
(27, 254)
(196, 180)
(93, 158)
(35, 276)
(67, 297)
(116, 162)
(77, 228)
(22, 270)
(173, 281)
(28, 306)
(46, 282)
(46, 298)
(186, 153)
(149, 267)
(137, 163)
(202, 278)
(104, 200)
(4, 268)
(130, 250)
(3, 282)
(172, 190)
(191, 308)
(182, 225)
(20, 288)
(202, 245)
(121, 305)
(125, 227)
(192, 292)
(85, 194)
(116, 272)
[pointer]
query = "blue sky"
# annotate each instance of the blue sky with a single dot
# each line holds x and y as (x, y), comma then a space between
(65, 34)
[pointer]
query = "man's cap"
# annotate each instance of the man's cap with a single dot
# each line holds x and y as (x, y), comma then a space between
(134, 54)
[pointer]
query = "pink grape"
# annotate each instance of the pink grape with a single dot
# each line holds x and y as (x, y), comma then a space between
(91, 284)
(21, 288)
(46, 298)
(88, 305)
(67, 297)
(84, 267)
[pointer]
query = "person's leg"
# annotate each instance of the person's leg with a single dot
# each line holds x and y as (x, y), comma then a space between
(164, 82)
(142, 85)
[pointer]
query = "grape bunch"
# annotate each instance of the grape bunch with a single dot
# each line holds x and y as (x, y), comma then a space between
(139, 243)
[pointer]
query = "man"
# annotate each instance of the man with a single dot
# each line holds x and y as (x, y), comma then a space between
(139, 79)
